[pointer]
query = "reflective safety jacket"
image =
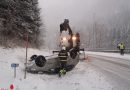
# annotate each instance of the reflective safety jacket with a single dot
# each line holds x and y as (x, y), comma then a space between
(63, 71)
(63, 55)
(121, 46)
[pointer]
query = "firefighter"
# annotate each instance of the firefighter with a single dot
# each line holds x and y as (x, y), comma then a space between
(121, 47)
(63, 61)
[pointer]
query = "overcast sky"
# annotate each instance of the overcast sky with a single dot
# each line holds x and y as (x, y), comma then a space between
(79, 12)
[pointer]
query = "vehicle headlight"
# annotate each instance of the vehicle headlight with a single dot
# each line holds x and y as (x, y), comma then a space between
(74, 38)
(64, 39)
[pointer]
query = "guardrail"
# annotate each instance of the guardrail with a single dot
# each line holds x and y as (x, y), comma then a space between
(106, 50)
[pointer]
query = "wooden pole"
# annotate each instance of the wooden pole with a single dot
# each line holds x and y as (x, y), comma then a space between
(26, 56)
(14, 72)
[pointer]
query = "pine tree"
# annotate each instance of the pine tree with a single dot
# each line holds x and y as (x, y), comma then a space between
(18, 19)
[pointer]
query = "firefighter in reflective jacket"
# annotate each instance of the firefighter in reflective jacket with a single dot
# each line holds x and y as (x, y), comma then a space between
(121, 47)
(63, 60)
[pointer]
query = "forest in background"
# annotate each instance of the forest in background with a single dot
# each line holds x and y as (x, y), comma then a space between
(20, 19)
(108, 33)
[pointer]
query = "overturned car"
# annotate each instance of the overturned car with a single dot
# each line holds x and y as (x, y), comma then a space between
(51, 64)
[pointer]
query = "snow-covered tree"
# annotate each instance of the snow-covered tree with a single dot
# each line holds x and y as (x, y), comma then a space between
(19, 19)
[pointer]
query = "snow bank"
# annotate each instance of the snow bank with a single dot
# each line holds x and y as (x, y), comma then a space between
(114, 55)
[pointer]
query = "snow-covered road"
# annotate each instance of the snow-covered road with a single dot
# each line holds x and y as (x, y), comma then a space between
(90, 74)
(116, 68)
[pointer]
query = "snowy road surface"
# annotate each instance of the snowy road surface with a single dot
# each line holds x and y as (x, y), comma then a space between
(90, 74)
(114, 66)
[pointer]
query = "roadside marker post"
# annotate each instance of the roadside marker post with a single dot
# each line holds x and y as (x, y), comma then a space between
(14, 65)
(25, 74)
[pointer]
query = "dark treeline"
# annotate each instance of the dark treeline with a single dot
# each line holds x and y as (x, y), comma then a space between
(19, 18)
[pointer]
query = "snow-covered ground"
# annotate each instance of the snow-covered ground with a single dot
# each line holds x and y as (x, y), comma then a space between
(83, 77)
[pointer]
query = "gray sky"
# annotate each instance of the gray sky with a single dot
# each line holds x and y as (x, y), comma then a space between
(54, 12)
(79, 12)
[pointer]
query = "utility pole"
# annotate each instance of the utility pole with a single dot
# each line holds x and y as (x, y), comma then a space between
(26, 56)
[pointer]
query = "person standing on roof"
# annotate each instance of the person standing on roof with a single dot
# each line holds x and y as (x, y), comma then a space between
(65, 26)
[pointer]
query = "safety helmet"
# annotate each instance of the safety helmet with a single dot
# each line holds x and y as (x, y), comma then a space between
(63, 48)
